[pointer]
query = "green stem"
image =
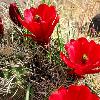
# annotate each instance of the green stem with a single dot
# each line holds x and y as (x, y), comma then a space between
(19, 7)
(43, 1)
(49, 2)
(32, 3)
(59, 37)
(28, 92)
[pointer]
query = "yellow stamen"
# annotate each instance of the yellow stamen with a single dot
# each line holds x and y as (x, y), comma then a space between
(84, 58)
(37, 17)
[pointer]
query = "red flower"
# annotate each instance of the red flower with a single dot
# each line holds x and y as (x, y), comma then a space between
(84, 56)
(13, 13)
(81, 92)
(1, 28)
(40, 22)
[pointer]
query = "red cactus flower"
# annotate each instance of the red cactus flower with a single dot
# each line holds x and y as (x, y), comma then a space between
(84, 56)
(13, 13)
(40, 22)
(81, 92)
(1, 28)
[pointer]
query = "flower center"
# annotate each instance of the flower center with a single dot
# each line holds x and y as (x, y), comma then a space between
(37, 18)
(84, 58)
